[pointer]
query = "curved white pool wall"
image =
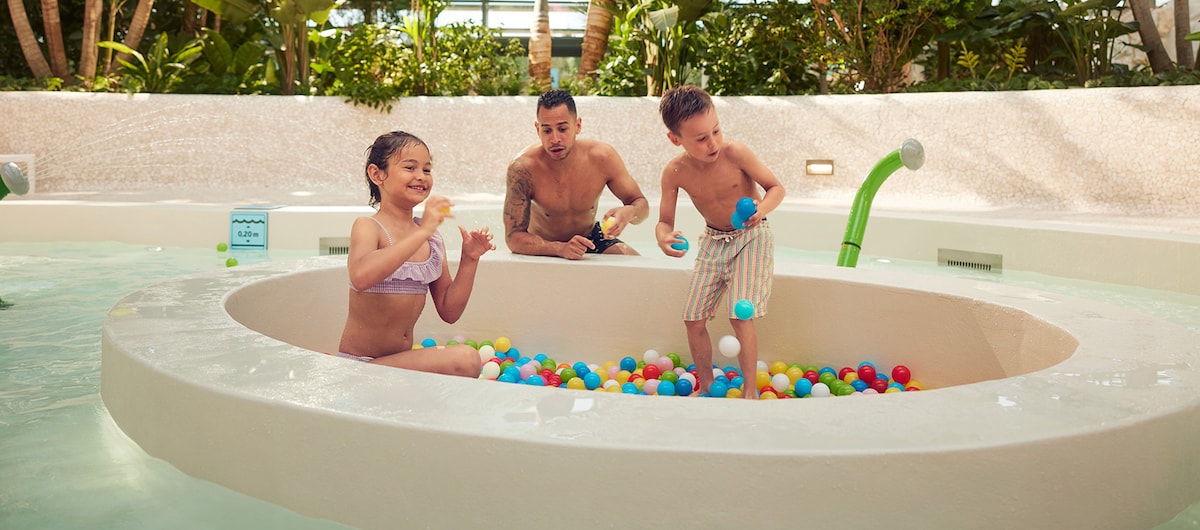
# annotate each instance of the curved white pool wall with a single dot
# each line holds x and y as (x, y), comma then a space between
(1050, 412)
(1125, 151)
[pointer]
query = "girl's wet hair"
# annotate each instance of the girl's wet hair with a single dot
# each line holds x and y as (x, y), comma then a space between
(681, 103)
(380, 153)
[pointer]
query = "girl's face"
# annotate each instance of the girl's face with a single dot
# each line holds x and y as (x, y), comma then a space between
(408, 178)
(700, 136)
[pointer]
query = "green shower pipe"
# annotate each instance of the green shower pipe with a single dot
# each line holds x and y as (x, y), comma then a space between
(910, 155)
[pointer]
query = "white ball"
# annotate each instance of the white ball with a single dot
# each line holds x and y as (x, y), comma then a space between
(650, 356)
(691, 378)
(780, 382)
(729, 346)
(820, 390)
(611, 383)
(489, 371)
(761, 366)
(484, 356)
(717, 373)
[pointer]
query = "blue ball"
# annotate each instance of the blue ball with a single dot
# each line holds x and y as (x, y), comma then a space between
(803, 387)
(539, 357)
(629, 364)
(507, 378)
(683, 387)
(681, 244)
(512, 353)
(512, 371)
(737, 382)
(743, 309)
(737, 221)
(718, 389)
(535, 380)
(746, 207)
(629, 388)
(591, 380)
(859, 385)
(827, 369)
(581, 368)
(665, 388)
(428, 343)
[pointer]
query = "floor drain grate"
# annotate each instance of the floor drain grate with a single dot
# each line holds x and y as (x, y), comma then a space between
(333, 246)
(980, 261)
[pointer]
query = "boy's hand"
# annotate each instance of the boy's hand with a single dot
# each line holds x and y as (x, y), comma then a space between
(665, 244)
(476, 243)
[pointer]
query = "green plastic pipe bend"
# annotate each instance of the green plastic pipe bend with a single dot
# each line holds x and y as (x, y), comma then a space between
(910, 155)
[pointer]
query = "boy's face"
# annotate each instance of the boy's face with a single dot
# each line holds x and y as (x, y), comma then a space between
(700, 136)
(557, 129)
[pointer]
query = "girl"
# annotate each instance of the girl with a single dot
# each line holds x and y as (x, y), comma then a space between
(396, 259)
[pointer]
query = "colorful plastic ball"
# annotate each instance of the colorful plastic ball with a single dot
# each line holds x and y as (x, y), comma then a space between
(845, 370)
(803, 387)
(844, 390)
(737, 382)
(502, 344)
(483, 358)
(612, 383)
(666, 388)
(650, 356)
(576, 384)
(567, 374)
(896, 386)
(866, 372)
(651, 371)
(869, 391)
(851, 377)
(812, 376)
(591, 380)
(669, 377)
(629, 388)
(540, 357)
(866, 363)
(913, 383)
(859, 385)
(628, 364)
(780, 382)
(471, 343)
(778, 367)
(615, 389)
(683, 387)
(681, 243)
(893, 390)
(718, 389)
(879, 385)
(483, 350)
(729, 346)
(507, 378)
(428, 343)
(527, 370)
(767, 394)
(761, 379)
(746, 207)
(819, 390)
(535, 380)
(489, 371)
(651, 386)
(674, 357)
(828, 369)
(664, 364)
(549, 363)
(827, 378)
(901, 374)
(743, 309)
(733, 393)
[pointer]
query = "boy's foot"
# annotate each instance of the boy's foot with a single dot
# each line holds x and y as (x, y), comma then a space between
(751, 393)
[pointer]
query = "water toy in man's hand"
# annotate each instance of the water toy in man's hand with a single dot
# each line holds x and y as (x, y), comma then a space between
(681, 243)
(745, 209)
(607, 224)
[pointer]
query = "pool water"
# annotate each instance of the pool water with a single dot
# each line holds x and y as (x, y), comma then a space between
(65, 464)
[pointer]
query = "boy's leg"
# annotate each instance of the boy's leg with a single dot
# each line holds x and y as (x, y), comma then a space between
(701, 347)
(458, 359)
(748, 358)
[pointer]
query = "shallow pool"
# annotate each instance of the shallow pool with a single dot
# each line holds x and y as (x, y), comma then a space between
(65, 463)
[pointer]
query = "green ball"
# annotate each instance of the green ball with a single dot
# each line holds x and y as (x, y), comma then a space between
(231, 262)
(828, 378)
(549, 363)
(669, 376)
(222, 247)
(568, 374)
(674, 357)
(472, 344)
(451, 342)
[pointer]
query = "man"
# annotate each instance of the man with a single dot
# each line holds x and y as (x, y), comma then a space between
(554, 189)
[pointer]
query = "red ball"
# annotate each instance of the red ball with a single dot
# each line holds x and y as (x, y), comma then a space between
(845, 370)
(554, 380)
(880, 385)
(866, 372)
(812, 377)
(731, 374)
(651, 371)
(901, 374)
(546, 373)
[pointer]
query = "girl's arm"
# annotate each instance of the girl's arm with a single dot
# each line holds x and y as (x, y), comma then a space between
(369, 262)
(450, 294)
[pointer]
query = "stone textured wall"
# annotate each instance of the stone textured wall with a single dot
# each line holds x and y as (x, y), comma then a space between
(1095, 150)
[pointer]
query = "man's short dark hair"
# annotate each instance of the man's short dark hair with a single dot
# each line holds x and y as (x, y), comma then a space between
(553, 98)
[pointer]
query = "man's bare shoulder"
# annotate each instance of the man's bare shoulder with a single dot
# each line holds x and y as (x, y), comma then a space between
(526, 162)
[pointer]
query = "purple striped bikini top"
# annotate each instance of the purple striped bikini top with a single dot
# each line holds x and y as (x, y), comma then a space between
(413, 277)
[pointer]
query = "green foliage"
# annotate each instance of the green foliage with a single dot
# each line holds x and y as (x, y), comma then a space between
(655, 45)
(160, 70)
(226, 69)
(767, 48)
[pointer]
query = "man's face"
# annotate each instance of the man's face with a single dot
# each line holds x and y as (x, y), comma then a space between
(557, 128)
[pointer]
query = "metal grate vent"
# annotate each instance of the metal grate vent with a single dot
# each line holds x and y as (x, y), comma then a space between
(980, 261)
(334, 246)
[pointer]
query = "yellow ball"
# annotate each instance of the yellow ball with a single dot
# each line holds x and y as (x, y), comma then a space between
(623, 376)
(615, 389)
(850, 377)
(761, 379)
(891, 390)
(608, 224)
(768, 395)
(734, 393)
(502, 344)
(793, 373)
(778, 367)
(915, 384)
(576, 383)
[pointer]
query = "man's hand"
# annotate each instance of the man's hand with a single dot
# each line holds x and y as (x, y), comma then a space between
(575, 248)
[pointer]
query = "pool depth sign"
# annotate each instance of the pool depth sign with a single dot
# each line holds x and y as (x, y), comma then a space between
(247, 230)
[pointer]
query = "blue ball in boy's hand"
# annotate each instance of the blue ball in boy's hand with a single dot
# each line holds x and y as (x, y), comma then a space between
(681, 243)
(746, 207)
(737, 221)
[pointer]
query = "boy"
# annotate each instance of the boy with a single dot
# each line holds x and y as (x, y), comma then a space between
(715, 174)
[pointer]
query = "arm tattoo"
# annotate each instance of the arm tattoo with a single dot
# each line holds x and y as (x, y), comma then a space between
(517, 203)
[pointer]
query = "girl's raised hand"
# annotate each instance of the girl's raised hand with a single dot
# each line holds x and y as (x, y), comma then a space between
(437, 209)
(476, 243)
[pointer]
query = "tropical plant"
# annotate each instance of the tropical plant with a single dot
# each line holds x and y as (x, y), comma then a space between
(1089, 30)
(762, 48)
(598, 26)
(161, 70)
(658, 38)
(540, 46)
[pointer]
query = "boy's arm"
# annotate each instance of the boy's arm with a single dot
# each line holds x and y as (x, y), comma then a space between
(773, 191)
(518, 199)
(665, 231)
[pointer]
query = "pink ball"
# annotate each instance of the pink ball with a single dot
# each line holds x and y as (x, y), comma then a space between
(664, 364)
(527, 370)
(651, 386)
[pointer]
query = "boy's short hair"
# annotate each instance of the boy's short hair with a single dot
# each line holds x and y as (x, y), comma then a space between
(681, 103)
(553, 98)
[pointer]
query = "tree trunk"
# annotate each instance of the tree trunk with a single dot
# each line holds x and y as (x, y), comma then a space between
(89, 56)
(539, 46)
(1183, 47)
(29, 45)
(1159, 60)
(137, 27)
(54, 39)
(595, 36)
